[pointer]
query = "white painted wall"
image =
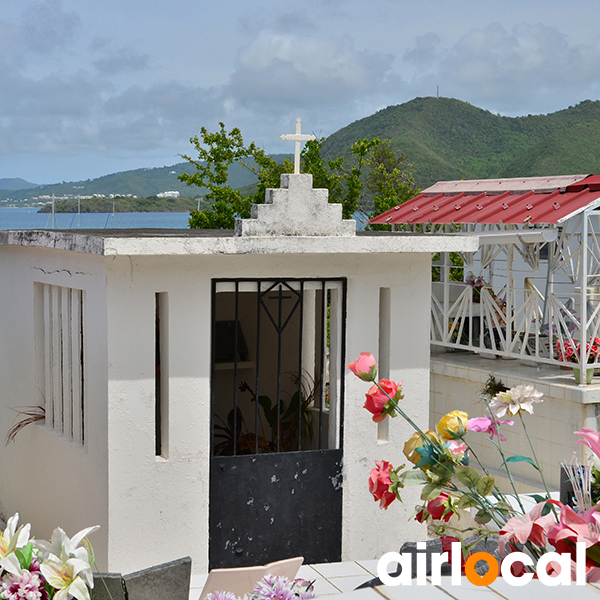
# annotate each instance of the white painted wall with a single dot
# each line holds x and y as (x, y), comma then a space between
(456, 381)
(155, 509)
(174, 521)
(49, 481)
(368, 530)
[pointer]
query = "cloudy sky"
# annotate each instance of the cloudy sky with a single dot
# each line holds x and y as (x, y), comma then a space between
(94, 87)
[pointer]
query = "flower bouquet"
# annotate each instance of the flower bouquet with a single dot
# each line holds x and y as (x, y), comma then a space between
(272, 587)
(443, 466)
(41, 570)
(477, 283)
(569, 352)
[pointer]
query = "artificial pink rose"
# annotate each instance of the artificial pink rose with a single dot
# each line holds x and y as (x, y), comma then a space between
(365, 367)
(376, 398)
(565, 351)
(457, 447)
(435, 508)
(379, 483)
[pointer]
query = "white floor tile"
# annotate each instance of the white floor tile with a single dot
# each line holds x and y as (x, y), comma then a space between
(307, 572)
(369, 565)
(196, 584)
(365, 594)
(467, 591)
(198, 580)
(341, 569)
(324, 587)
(413, 592)
(349, 584)
(536, 589)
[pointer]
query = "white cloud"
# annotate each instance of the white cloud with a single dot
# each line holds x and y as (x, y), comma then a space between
(123, 59)
(79, 79)
(47, 27)
(529, 68)
(288, 69)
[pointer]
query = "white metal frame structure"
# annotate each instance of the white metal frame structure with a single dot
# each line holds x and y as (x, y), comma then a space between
(538, 299)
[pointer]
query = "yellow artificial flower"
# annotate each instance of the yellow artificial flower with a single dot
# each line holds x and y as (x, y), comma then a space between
(416, 441)
(448, 428)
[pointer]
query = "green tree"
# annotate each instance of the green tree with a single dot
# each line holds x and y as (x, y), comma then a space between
(375, 169)
(390, 179)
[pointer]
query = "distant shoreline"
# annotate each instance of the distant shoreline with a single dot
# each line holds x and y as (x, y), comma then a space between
(125, 204)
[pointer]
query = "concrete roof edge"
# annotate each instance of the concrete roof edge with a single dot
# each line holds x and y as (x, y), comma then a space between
(43, 238)
(285, 245)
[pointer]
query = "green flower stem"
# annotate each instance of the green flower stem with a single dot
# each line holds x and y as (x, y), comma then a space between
(499, 495)
(480, 500)
(499, 446)
(539, 466)
(412, 423)
(510, 477)
(403, 414)
(535, 458)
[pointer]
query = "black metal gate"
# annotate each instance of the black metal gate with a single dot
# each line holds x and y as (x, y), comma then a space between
(277, 412)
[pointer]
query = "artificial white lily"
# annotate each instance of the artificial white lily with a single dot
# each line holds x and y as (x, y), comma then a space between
(62, 547)
(11, 564)
(12, 539)
(66, 578)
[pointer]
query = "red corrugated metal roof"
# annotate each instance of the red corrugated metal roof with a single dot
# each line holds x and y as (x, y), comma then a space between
(524, 200)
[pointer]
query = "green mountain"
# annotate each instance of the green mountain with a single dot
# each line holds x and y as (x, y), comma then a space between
(138, 182)
(15, 183)
(447, 139)
(443, 138)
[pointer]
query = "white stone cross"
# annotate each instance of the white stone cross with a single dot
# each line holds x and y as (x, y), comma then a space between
(298, 137)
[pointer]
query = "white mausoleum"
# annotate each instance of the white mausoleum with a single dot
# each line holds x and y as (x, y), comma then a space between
(138, 345)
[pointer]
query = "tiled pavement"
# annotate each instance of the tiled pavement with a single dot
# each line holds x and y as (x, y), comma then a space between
(329, 578)
(342, 578)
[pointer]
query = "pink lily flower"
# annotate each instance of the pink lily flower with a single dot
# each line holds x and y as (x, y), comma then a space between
(488, 425)
(577, 527)
(591, 439)
(531, 526)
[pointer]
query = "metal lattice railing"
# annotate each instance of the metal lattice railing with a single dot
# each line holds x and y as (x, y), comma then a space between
(538, 302)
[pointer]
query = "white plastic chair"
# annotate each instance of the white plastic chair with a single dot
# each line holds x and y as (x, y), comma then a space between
(242, 580)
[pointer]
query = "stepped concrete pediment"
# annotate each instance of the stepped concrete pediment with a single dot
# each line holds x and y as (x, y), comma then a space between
(296, 209)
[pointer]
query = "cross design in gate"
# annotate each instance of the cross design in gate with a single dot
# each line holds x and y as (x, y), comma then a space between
(298, 137)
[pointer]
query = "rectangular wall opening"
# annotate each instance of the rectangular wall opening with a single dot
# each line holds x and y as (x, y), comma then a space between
(277, 365)
(385, 325)
(59, 358)
(161, 380)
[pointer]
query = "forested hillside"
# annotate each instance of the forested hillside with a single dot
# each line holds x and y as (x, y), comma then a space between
(443, 138)
(448, 139)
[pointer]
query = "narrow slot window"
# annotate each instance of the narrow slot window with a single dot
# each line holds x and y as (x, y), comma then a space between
(383, 427)
(161, 405)
(59, 357)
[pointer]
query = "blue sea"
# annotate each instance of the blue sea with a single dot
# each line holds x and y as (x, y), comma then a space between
(29, 218)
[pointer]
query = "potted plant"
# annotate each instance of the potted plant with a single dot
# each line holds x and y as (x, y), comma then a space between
(567, 352)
